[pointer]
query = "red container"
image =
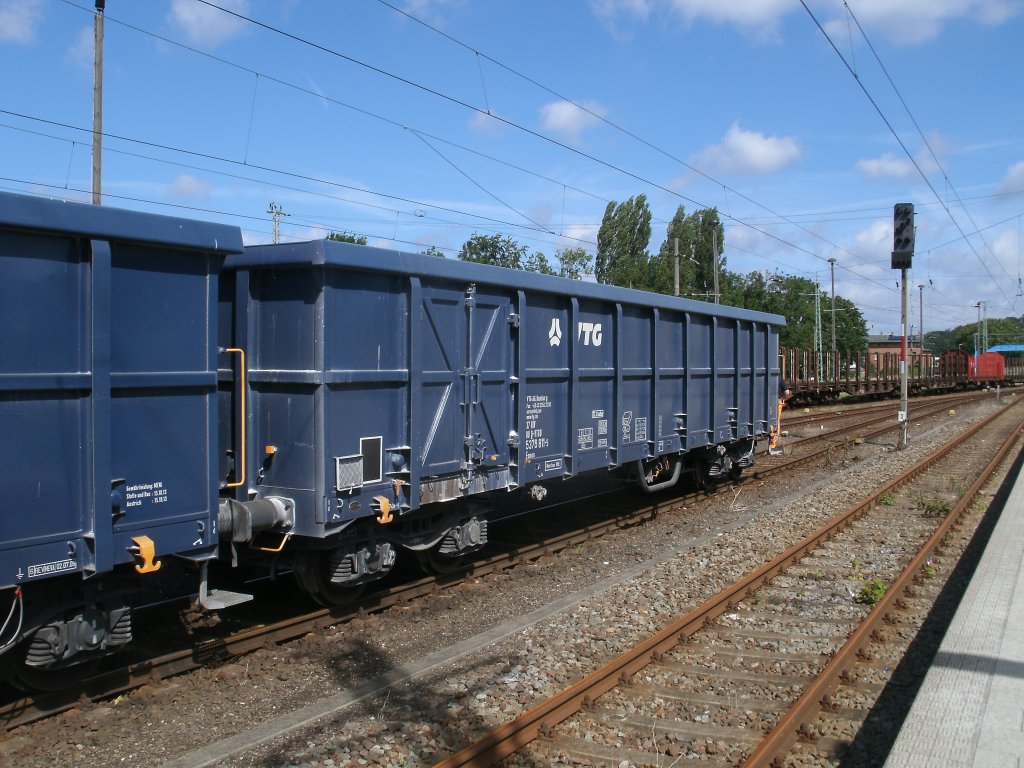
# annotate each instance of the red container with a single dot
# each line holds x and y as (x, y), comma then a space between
(988, 366)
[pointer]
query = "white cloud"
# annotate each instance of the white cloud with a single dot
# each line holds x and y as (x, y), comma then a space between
(19, 20)
(609, 10)
(576, 231)
(619, 16)
(877, 238)
(759, 17)
(484, 123)
(749, 14)
(907, 21)
(888, 166)
(1014, 179)
(189, 187)
(204, 25)
(916, 21)
(743, 151)
(82, 52)
(435, 12)
(569, 121)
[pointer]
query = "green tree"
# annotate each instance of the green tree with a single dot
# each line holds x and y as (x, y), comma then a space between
(538, 262)
(663, 265)
(433, 250)
(574, 263)
(1006, 330)
(708, 241)
(498, 250)
(699, 236)
(622, 257)
(347, 237)
(793, 298)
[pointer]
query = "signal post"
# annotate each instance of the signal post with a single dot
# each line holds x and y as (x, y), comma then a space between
(902, 256)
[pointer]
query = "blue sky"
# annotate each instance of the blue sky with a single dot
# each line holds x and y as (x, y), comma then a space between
(527, 117)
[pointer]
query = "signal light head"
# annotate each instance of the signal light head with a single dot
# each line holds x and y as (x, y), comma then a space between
(903, 235)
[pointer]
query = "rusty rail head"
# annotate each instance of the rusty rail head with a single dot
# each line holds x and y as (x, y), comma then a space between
(511, 737)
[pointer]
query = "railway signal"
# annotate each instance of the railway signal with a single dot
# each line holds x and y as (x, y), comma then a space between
(902, 235)
(902, 255)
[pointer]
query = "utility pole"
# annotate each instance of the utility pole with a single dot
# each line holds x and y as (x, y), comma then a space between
(920, 341)
(97, 103)
(276, 213)
(835, 360)
(817, 327)
(984, 326)
(714, 254)
(676, 242)
(977, 336)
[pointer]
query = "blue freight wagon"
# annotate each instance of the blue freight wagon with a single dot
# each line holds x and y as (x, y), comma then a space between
(379, 384)
(108, 431)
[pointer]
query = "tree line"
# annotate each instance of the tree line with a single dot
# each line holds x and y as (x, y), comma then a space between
(1001, 330)
(623, 259)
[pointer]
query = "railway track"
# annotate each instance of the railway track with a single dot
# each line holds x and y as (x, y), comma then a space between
(619, 511)
(792, 652)
(798, 417)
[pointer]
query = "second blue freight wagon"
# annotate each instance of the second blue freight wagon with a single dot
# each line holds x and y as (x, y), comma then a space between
(378, 384)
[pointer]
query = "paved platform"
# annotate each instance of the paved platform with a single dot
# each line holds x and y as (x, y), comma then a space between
(970, 708)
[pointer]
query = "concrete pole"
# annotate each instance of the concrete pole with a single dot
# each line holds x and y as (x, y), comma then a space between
(835, 362)
(920, 325)
(676, 241)
(97, 104)
(714, 254)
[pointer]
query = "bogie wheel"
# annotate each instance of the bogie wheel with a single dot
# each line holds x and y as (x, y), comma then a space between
(33, 679)
(312, 572)
(704, 481)
(434, 563)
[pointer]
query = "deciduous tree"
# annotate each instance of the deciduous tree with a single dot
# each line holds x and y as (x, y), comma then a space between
(622, 257)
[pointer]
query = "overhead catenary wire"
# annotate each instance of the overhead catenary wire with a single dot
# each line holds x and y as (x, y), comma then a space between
(269, 169)
(525, 129)
(920, 133)
(900, 141)
(397, 124)
(745, 223)
(627, 132)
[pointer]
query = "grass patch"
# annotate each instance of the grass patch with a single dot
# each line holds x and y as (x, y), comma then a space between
(871, 592)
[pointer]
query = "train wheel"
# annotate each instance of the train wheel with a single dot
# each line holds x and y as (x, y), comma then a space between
(434, 563)
(32, 679)
(704, 481)
(312, 571)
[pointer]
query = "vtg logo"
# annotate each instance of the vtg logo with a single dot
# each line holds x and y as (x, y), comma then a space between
(555, 333)
(590, 333)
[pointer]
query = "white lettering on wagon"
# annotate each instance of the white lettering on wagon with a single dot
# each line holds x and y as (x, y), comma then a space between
(153, 493)
(534, 433)
(48, 569)
(590, 333)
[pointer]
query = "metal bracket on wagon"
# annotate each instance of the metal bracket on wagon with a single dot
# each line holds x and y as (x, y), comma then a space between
(145, 550)
(382, 506)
